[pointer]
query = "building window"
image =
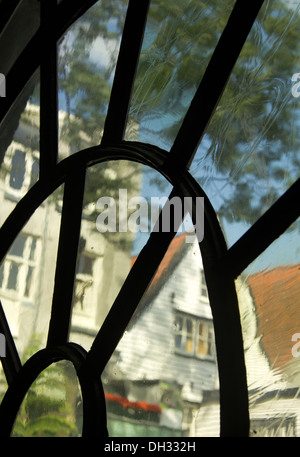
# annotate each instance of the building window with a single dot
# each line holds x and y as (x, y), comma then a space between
(194, 337)
(22, 171)
(84, 278)
(17, 174)
(17, 271)
(205, 340)
(184, 339)
(203, 288)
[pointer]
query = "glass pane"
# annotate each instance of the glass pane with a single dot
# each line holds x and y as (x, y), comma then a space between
(85, 265)
(32, 276)
(17, 174)
(18, 246)
(268, 293)
(52, 407)
(12, 282)
(179, 40)
(250, 153)
(19, 148)
(87, 57)
(106, 242)
(32, 249)
(159, 387)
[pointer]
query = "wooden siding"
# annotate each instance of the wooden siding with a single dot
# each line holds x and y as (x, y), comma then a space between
(147, 350)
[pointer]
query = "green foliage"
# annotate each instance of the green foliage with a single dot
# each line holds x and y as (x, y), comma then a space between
(49, 407)
(171, 396)
(249, 148)
(83, 84)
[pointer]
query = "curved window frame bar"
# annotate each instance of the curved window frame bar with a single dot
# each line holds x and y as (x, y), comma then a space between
(221, 265)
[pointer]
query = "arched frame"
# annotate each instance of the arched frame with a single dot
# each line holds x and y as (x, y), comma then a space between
(71, 171)
(221, 265)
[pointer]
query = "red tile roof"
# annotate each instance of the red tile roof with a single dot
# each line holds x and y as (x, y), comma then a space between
(174, 248)
(276, 295)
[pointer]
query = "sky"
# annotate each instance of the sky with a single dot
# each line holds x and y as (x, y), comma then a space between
(285, 250)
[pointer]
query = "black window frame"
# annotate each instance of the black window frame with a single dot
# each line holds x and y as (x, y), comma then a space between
(221, 265)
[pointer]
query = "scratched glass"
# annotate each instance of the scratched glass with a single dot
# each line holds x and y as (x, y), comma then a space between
(179, 40)
(18, 32)
(268, 293)
(250, 153)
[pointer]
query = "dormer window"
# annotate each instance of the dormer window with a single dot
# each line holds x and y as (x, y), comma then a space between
(194, 336)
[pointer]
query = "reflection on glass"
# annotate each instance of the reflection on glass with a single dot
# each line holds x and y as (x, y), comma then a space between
(268, 293)
(18, 32)
(52, 406)
(27, 274)
(18, 165)
(179, 40)
(106, 242)
(250, 153)
(87, 59)
(163, 376)
(162, 379)
(19, 148)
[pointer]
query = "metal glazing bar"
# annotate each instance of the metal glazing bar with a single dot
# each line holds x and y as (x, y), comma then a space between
(134, 287)
(214, 81)
(273, 223)
(20, 73)
(66, 258)
(234, 420)
(48, 90)
(131, 43)
(7, 8)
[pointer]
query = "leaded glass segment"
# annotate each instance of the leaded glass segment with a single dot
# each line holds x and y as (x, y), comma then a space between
(173, 369)
(179, 40)
(27, 274)
(249, 154)
(136, 317)
(268, 293)
(87, 55)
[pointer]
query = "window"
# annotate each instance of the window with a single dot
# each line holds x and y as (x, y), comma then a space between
(194, 337)
(205, 337)
(84, 279)
(17, 270)
(184, 339)
(22, 170)
(203, 288)
(233, 138)
(17, 174)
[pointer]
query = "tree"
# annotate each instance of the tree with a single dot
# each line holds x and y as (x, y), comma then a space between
(49, 407)
(84, 82)
(247, 149)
